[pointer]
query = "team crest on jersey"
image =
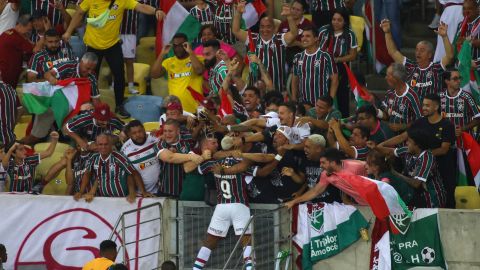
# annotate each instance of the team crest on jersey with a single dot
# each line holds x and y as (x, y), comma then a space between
(461, 104)
(317, 63)
(429, 74)
(401, 107)
(300, 62)
(272, 46)
(189, 64)
(112, 166)
(115, 7)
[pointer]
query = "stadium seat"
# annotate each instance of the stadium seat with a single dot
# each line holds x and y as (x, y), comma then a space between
(159, 87)
(59, 148)
(56, 186)
(147, 41)
(145, 54)
(149, 126)
(20, 130)
(357, 24)
(26, 118)
(467, 197)
(108, 96)
(140, 76)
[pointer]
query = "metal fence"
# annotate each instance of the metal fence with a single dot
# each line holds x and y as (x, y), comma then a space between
(130, 223)
(271, 232)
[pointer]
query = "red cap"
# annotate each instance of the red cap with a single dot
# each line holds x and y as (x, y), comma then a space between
(102, 112)
(174, 106)
(208, 104)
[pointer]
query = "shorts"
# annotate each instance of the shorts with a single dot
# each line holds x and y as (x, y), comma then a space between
(42, 124)
(129, 46)
(225, 215)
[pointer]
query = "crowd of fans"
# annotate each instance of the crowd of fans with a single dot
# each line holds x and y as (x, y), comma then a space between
(238, 128)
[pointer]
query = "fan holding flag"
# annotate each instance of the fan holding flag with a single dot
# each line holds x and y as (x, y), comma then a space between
(268, 46)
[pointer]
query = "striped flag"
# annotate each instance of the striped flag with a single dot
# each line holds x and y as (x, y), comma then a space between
(177, 20)
(470, 77)
(65, 98)
(362, 96)
(253, 11)
(380, 196)
(473, 156)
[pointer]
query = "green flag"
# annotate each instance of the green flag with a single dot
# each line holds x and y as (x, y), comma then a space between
(420, 245)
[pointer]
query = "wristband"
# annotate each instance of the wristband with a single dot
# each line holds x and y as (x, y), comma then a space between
(379, 114)
(278, 157)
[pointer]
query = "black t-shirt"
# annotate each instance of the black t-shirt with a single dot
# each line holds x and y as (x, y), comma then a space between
(443, 131)
(312, 176)
(284, 186)
(260, 190)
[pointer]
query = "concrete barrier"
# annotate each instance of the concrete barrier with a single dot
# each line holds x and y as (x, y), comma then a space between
(459, 230)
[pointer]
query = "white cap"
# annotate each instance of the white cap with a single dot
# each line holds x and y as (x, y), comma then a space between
(286, 131)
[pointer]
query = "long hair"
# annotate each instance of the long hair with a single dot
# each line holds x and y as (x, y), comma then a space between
(331, 34)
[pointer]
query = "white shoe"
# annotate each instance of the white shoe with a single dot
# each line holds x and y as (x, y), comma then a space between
(435, 22)
(133, 91)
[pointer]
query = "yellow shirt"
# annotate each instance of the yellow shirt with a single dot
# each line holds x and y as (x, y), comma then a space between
(98, 264)
(180, 75)
(108, 35)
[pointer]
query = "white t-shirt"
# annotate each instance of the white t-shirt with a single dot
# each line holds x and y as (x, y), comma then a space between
(8, 18)
(145, 161)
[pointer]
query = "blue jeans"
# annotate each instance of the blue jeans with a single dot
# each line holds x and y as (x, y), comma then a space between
(390, 9)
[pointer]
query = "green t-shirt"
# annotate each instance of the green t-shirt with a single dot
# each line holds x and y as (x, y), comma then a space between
(193, 188)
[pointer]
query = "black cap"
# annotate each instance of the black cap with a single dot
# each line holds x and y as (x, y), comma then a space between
(39, 13)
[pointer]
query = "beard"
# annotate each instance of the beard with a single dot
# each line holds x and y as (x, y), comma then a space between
(210, 63)
(139, 143)
(52, 51)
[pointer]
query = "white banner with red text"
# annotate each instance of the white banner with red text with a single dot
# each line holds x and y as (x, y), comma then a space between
(57, 232)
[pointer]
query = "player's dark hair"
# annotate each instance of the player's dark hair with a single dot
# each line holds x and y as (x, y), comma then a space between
(180, 35)
(215, 44)
(364, 131)
(368, 110)
(117, 266)
(168, 265)
(311, 29)
(51, 33)
(108, 246)
(435, 98)
(420, 136)
(333, 155)
(291, 106)
(132, 124)
(327, 99)
(254, 89)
